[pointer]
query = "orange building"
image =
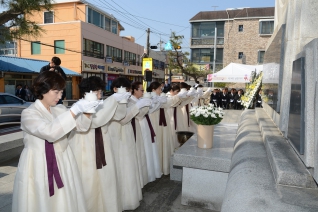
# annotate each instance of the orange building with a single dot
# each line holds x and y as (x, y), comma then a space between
(87, 40)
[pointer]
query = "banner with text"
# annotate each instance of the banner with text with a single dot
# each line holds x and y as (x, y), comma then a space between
(93, 67)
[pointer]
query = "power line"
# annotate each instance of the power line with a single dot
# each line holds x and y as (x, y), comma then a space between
(125, 16)
(136, 17)
(141, 16)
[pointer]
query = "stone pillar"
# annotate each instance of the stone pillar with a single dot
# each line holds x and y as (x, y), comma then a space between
(311, 67)
(291, 50)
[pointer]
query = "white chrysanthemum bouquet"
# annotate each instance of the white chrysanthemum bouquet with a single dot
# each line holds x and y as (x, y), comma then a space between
(206, 115)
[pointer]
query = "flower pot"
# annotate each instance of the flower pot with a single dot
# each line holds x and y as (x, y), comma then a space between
(205, 136)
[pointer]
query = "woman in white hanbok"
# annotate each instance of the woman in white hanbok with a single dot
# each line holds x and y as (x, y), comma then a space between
(93, 152)
(46, 156)
(204, 97)
(149, 139)
(172, 111)
(160, 119)
(137, 92)
(183, 117)
(124, 149)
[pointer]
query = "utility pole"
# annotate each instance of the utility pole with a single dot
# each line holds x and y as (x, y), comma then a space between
(214, 56)
(148, 44)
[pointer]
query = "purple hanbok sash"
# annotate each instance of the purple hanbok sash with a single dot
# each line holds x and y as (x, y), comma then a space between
(152, 132)
(52, 168)
(162, 118)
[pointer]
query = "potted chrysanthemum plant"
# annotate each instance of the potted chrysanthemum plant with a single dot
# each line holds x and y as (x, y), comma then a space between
(206, 117)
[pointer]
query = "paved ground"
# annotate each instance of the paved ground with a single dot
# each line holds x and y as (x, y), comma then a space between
(7, 174)
(163, 195)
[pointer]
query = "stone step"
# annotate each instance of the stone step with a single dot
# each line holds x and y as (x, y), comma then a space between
(11, 145)
(287, 167)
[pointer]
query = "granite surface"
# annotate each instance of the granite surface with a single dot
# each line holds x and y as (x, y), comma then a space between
(218, 158)
(203, 188)
(251, 185)
(287, 167)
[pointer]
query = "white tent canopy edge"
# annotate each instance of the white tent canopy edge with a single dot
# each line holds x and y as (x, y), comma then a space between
(235, 72)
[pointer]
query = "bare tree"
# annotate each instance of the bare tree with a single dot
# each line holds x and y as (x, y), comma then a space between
(179, 62)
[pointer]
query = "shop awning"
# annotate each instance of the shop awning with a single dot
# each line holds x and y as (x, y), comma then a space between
(24, 65)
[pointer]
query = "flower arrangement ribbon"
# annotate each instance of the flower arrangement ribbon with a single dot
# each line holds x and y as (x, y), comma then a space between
(187, 109)
(99, 149)
(133, 123)
(151, 129)
(175, 117)
(162, 118)
(52, 168)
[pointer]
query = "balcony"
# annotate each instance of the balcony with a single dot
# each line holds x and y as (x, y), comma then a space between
(207, 41)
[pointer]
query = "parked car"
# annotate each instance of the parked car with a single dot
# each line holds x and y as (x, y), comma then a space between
(11, 107)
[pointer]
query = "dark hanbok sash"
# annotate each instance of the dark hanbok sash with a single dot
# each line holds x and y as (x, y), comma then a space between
(175, 117)
(133, 123)
(52, 168)
(187, 110)
(99, 149)
(162, 118)
(151, 129)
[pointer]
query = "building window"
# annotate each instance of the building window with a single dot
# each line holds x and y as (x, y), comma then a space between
(115, 53)
(130, 57)
(59, 47)
(240, 29)
(36, 47)
(114, 27)
(107, 24)
(93, 49)
(100, 20)
(206, 55)
(207, 29)
(240, 55)
(266, 27)
(260, 58)
(48, 17)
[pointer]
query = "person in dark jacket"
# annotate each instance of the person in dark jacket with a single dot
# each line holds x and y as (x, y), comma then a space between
(215, 98)
(259, 99)
(224, 99)
(54, 65)
(231, 99)
(20, 92)
(238, 101)
(166, 87)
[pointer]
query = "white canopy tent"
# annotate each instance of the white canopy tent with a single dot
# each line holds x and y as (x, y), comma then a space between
(234, 72)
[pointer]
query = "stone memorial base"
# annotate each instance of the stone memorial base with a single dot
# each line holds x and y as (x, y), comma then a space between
(204, 172)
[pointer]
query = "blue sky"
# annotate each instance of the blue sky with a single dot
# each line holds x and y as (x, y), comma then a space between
(165, 16)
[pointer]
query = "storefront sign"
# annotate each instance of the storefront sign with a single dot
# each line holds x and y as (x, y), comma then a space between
(113, 69)
(93, 67)
(129, 71)
(111, 77)
(147, 64)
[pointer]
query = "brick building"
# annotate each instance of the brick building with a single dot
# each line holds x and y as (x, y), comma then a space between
(241, 36)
